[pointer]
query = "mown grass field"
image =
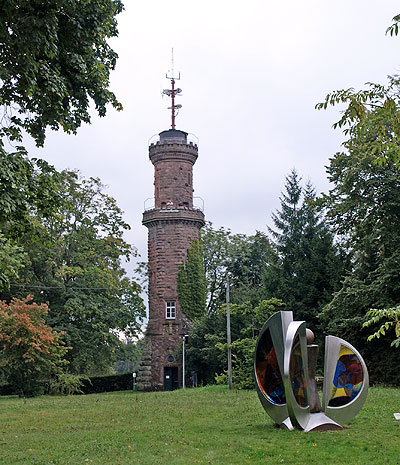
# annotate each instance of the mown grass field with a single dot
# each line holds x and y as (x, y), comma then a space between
(205, 426)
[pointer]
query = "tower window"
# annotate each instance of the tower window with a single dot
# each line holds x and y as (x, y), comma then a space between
(170, 309)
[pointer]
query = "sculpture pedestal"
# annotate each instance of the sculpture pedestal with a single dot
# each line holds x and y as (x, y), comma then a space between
(320, 422)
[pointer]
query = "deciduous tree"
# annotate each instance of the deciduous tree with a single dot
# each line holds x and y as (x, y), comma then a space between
(391, 317)
(54, 60)
(27, 187)
(251, 259)
(76, 266)
(30, 351)
(248, 321)
(244, 258)
(216, 245)
(375, 107)
(364, 207)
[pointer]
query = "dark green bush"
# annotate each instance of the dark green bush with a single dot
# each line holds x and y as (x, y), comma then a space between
(89, 385)
(109, 383)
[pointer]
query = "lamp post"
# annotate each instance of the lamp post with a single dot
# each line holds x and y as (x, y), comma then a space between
(228, 334)
(134, 381)
(184, 340)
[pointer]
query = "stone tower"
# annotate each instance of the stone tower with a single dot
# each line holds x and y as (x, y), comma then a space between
(173, 222)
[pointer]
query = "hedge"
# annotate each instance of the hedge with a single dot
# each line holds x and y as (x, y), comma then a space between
(109, 383)
(95, 384)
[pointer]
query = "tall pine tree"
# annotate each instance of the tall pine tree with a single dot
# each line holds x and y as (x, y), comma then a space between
(308, 265)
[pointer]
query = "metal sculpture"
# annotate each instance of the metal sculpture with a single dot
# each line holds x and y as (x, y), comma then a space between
(284, 367)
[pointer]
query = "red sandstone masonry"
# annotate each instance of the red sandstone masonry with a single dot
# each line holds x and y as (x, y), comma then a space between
(172, 225)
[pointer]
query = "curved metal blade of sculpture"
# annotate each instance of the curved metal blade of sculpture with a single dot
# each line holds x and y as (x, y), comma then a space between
(268, 366)
(282, 377)
(345, 380)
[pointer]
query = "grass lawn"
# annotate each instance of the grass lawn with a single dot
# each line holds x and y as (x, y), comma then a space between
(206, 426)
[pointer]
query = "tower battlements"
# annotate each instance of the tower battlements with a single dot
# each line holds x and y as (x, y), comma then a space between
(173, 151)
(173, 145)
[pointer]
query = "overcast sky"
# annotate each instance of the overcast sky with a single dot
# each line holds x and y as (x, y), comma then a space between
(251, 74)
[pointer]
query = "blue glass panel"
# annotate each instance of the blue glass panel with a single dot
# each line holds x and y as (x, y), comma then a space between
(348, 379)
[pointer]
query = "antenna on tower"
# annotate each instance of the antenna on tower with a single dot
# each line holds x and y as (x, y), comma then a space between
(173, 92)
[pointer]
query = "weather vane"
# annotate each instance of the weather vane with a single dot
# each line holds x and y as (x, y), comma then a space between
(172, 93)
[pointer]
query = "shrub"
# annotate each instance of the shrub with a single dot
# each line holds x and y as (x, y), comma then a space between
(67, 384)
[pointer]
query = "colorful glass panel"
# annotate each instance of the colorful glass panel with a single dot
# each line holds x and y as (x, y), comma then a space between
(296, 373)
(348, 378)
(269, 377)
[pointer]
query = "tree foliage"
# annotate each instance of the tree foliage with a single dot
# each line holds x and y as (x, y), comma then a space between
(12, 260)
(242, 364)
(308, 264)
(202, 355)
(207, 349)
(192, 286)
(250, 261)
(393, 29)
(243, 258)
(76, 266)
(54, 59)
(27, 187)
(301, 267)
(364, 208)
(375, 108)
(30, 351)
(392, 321)
(61, 236)
(216, 245)
(248, 321)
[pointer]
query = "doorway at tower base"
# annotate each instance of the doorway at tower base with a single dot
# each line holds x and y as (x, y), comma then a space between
(171, 381)
(159, 368)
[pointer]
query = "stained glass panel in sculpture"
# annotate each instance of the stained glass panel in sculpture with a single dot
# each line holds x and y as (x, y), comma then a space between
(296, 374)
(348, 378)
(269, 377)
